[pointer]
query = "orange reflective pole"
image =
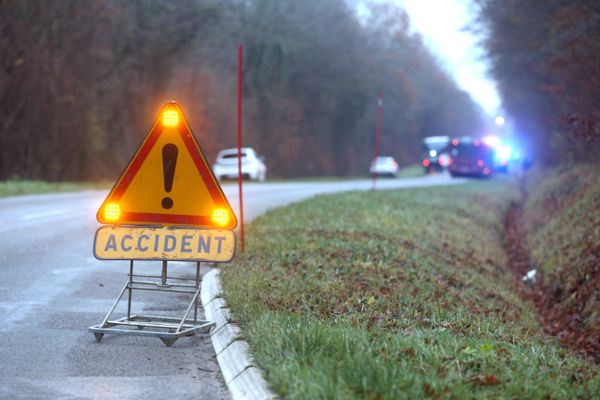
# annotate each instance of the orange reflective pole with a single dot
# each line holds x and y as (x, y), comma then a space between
(377, 133)
(239, 140)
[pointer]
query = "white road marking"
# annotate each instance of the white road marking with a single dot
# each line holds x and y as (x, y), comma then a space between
(43, 214)
(13, 312)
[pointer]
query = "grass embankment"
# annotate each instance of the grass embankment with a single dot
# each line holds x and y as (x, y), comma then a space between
(395, 294)
(562, 218)
(18, 187)
(411, 171)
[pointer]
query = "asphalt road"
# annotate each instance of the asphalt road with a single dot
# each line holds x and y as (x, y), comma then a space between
(52, 289)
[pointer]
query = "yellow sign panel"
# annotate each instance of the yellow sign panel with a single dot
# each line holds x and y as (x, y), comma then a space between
(145, 243)
(168, 182)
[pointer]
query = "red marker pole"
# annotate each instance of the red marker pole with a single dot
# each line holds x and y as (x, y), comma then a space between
(377, 134)
(239, 142)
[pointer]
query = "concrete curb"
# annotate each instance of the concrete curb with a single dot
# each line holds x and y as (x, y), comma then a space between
(242, 377)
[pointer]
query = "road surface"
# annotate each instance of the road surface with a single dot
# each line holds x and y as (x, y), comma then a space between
(52, 290)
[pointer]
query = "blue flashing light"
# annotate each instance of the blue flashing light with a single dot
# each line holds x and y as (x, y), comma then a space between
(503, 152)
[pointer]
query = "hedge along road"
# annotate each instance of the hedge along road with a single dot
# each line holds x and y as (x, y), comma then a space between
(52, 289)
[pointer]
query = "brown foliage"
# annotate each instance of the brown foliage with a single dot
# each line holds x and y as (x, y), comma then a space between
(544, 55)
(80, 83)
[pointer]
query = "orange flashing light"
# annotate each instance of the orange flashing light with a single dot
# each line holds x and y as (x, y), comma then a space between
(112, 212)
(220, 216)
(170, 118)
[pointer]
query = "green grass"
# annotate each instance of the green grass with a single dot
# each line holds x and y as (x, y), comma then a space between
(411, 171)
(316, 179)
(562, 218)
(19, 187)
(395, 294)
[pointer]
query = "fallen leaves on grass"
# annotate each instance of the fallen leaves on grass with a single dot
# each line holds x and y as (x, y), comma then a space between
(486, 380)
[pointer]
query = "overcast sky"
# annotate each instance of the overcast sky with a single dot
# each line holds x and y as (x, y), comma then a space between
(444, 25)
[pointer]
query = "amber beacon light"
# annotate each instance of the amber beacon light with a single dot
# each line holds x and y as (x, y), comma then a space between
(220, 216)
(112, 212)
(170, 117)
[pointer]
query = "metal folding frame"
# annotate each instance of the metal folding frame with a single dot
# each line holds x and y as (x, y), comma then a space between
(168, 329)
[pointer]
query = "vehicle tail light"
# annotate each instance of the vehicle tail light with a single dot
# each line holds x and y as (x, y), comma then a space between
(450, 161)
(443, 160)
(480, 163)
(426, 163)
(455, 142)
(486, 171)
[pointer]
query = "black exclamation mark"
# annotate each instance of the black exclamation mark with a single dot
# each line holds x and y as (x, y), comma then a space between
(169, 156)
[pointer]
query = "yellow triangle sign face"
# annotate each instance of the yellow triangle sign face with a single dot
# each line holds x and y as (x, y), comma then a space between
(168, 181)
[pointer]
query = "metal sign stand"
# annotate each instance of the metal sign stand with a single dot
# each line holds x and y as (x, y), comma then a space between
(168, 329)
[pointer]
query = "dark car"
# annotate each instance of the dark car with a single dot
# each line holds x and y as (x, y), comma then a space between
(435, 157)
(470, 157)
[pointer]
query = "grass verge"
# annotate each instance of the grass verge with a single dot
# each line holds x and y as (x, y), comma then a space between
(19, 187)
(411, 171)
(395, 294)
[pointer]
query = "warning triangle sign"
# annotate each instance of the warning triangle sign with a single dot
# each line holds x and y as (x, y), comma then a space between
(168, 181)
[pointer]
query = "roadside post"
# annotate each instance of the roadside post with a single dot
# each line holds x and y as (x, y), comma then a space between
(377, 135)
(239, 143)
(166, 206)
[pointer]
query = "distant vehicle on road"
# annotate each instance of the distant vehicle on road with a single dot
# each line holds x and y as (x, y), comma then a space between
(384, 166)
(503, 153)
(435, 153)
(502, 158)
(253, 166)
(470, 157)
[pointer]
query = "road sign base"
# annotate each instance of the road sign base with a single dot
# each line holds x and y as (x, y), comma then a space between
(164, 328)
(168, 329)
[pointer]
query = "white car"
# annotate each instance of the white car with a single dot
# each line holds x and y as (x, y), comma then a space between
(253, 166)
(384, 166)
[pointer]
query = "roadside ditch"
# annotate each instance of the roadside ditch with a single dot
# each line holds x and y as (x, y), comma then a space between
(560, 318)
